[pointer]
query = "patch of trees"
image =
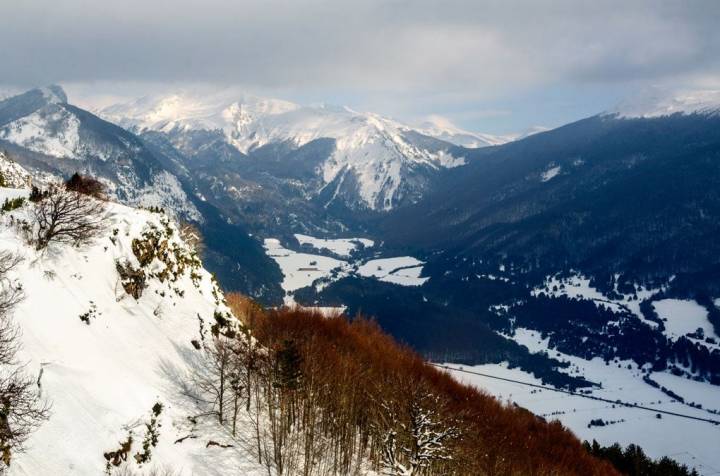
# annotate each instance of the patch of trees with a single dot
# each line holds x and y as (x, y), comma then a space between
(329, 396)
(632, 461)
(444, 320)
(86, 185)
(581, 328)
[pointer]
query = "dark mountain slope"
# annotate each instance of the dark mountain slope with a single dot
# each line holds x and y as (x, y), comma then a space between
(603, 195)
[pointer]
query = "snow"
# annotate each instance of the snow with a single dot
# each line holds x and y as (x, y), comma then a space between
(375, 149)
(304, 269)
(658, 102)
(165, 192)
(689, 441)
(403, 270)
(31, 132)
(103, 378)
(300, 269)
(683, 317)
(338, 246)
(13, 173)
(550, 173)
(442, 128)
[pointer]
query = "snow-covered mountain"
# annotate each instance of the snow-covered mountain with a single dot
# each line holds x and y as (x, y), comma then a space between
(659, 102)
(443, 129)
(103, 359)
(53, 138)
(13, 174)
(372, 155)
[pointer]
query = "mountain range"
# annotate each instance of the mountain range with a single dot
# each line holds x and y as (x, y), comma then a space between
(596, 238)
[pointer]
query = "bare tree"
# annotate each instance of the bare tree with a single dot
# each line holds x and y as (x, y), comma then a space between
(212, 377)
(66, 216)
(21, 408)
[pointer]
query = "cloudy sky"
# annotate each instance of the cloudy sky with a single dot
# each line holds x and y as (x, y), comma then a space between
(495, 66)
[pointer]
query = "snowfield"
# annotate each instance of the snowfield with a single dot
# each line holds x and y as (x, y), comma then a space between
(550, 173)
(300, 269)
(303, 269)
(404, 270)
(691, 442)
(683, 317)
(340, 246)
(103, 377)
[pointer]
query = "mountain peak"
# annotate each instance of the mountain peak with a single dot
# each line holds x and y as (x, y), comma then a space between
(657, 102)
(443, 128)
(54, 93)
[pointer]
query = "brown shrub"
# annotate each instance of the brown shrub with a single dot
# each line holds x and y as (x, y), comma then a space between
(86, 185)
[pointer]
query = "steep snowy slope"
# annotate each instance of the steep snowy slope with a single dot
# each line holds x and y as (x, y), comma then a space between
(103, 359)
(13, 174)
(372, 156)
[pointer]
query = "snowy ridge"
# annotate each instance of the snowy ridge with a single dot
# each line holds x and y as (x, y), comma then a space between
(375, 149)
(658, 103)
(443, 129)
(104, 374)
(305, 269)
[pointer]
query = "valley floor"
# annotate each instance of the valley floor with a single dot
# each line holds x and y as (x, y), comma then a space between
(691, 442)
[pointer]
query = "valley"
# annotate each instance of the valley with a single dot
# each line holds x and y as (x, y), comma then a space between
(518, 258)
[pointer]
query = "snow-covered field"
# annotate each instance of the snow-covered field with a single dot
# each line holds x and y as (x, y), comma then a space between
(691, 442)
(103, 378)
(403, 270)
(303, 269)
(683, 317)
(300, 269)
(340, 246)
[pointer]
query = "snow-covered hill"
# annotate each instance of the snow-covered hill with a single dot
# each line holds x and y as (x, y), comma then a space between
(13, 174)
(441, 128)
(659, 102)
(103, 359)
(372, 154)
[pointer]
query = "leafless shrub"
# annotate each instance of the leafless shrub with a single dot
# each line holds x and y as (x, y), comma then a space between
(66, 216)
(21, 408)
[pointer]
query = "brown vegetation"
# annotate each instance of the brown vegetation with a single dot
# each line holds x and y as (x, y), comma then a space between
(86, 185)
(339, 394)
